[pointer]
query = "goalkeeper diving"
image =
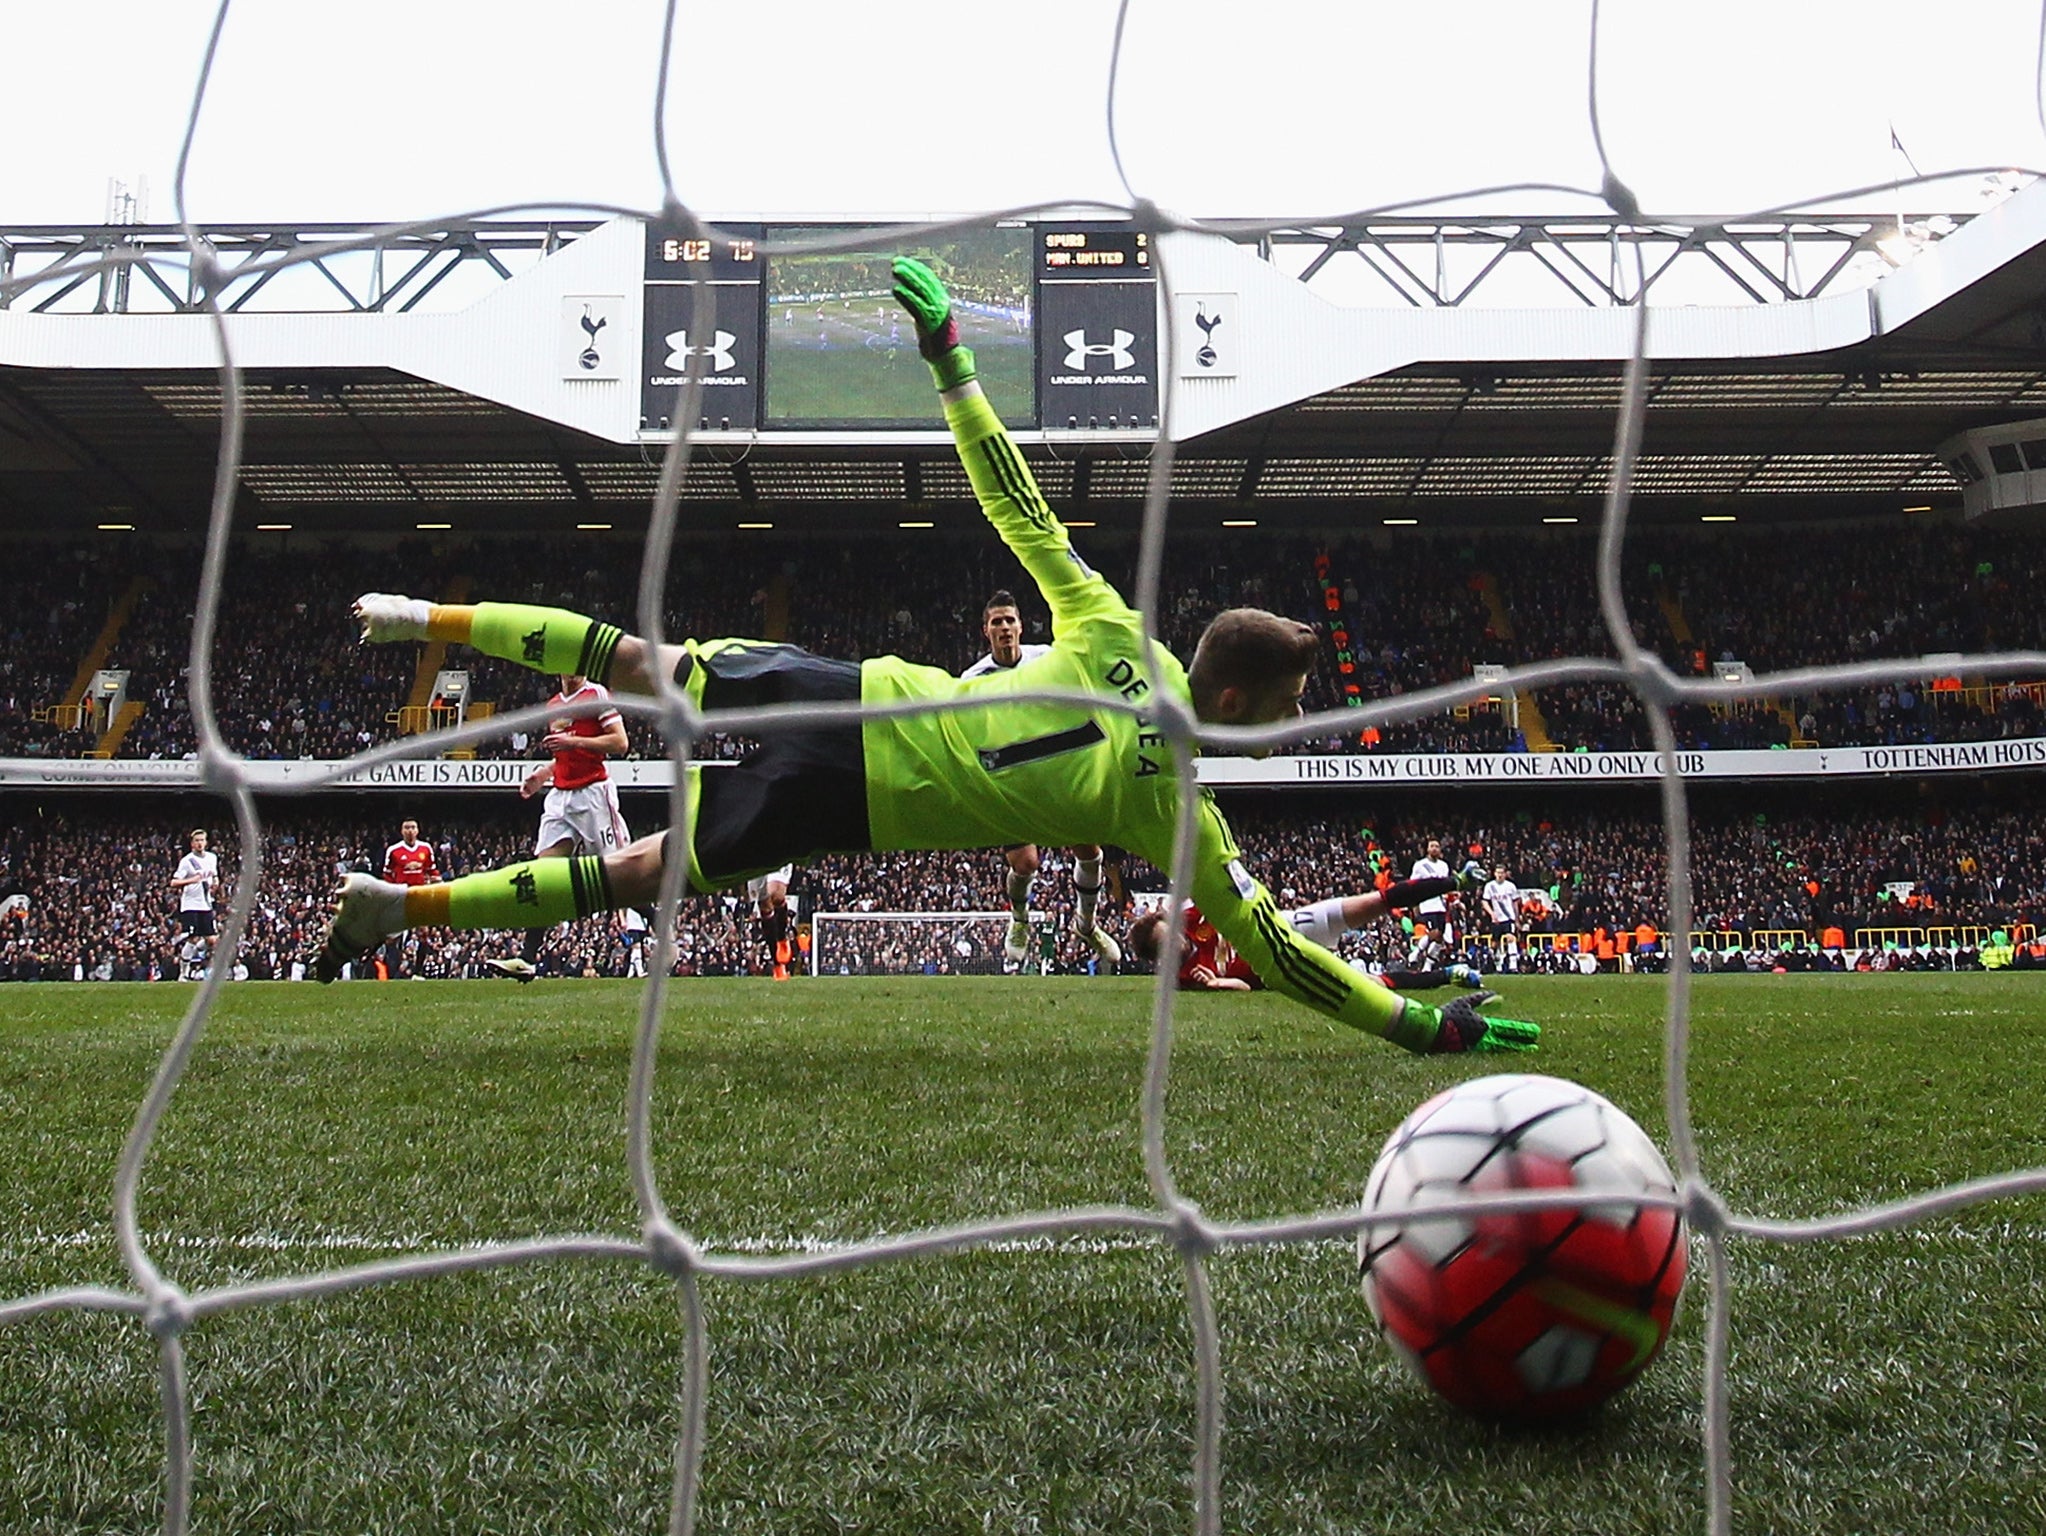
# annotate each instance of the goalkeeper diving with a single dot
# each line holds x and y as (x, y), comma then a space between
(1000, 770)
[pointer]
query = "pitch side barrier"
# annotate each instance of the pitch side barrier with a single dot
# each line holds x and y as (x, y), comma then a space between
(1932, 936)
(1288, 772)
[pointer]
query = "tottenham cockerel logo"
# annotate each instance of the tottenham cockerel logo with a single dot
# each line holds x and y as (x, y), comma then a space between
(719, 351)
(1118, 353)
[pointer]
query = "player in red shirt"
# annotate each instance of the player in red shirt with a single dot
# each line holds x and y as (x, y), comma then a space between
(409, 861)
(1208, 964)
(580, 813)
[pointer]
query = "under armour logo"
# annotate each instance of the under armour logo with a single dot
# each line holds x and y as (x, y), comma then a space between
(526, 888)
(1118, 353)
(719, 351)
(535, 646)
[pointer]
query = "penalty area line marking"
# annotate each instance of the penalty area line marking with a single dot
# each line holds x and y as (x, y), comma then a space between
(29, 1244)
(23, 1246)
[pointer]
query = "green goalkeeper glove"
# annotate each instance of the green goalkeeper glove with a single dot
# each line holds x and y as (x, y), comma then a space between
(918, 290)
(1463, 1028)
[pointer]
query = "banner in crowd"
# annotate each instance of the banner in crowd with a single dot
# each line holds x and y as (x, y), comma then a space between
(436, 773)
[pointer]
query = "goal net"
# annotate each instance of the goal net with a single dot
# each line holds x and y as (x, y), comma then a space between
(150, 1296)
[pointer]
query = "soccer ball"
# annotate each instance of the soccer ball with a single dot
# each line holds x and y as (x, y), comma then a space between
(1535, 1314)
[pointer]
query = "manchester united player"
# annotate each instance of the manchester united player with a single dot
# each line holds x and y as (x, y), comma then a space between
(932, 762)
(580, 814)
(409, 861)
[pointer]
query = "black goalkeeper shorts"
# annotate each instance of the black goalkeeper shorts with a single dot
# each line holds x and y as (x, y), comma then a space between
(804, 791)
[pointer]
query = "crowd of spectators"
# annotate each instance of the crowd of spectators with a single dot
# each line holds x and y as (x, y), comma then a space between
(99, 905)
(95, 873)
(289, 679)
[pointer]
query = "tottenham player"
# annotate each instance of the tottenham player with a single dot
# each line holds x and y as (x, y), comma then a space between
(196, 875)
(580, 814)
(1434, 927)
(768, 896)
(1501, 900)
(966, 765)
(1001, 625)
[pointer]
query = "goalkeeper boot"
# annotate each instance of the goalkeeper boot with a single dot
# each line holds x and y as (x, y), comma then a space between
(385, 617)
(368, 912)
(1464, 975)
(1101, 943)
(519, 969)
(1016, 942)
(1463, 1028)
(1471, 877)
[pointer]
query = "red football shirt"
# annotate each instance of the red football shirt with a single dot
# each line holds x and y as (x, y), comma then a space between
(576, 766)
(1206, 948)
(410, 863)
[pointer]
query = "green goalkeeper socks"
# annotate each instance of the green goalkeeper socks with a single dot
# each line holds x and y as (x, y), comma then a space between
(536, 894)
(545, 639)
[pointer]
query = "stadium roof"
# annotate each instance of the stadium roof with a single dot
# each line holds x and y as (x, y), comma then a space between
(1845, 431)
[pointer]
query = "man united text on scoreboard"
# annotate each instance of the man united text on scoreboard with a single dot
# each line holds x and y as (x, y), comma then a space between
(1114, 251)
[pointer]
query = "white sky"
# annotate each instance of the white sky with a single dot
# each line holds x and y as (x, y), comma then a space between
(381, 111)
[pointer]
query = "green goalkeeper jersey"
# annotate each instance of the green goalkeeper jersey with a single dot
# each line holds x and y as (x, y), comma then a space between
(1001, 770)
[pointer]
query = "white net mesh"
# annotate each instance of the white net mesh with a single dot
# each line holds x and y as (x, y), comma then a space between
(168, 1311)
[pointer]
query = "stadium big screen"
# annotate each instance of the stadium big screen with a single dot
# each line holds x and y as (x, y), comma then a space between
(842, 352)
(1062, 320)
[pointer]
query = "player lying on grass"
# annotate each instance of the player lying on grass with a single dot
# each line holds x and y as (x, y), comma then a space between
(1208, 963)
(998, 771)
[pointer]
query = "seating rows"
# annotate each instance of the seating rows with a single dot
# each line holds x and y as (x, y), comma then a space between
(95, 869)
(289, 680)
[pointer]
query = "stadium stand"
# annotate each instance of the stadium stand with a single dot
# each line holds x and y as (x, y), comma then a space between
(1971, 858)
(1417, 612)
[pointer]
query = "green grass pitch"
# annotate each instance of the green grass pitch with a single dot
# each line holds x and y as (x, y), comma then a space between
(891, 387)
(1894, 1383)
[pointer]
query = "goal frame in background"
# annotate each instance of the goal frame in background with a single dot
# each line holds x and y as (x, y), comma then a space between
(998, 920)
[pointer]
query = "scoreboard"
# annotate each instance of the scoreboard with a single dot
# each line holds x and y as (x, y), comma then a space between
(1102, 248)
(726, 273)
(1097, 353)
(1062, 317)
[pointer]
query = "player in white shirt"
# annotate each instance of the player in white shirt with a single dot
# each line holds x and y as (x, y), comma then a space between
(580, 813)
(1431, 917)
(1001, 624)
(1434, 930)
(768, 895)
(1501, 901)
(196, 875)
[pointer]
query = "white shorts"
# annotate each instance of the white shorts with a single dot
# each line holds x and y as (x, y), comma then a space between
(589, 817)
(757, 886)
